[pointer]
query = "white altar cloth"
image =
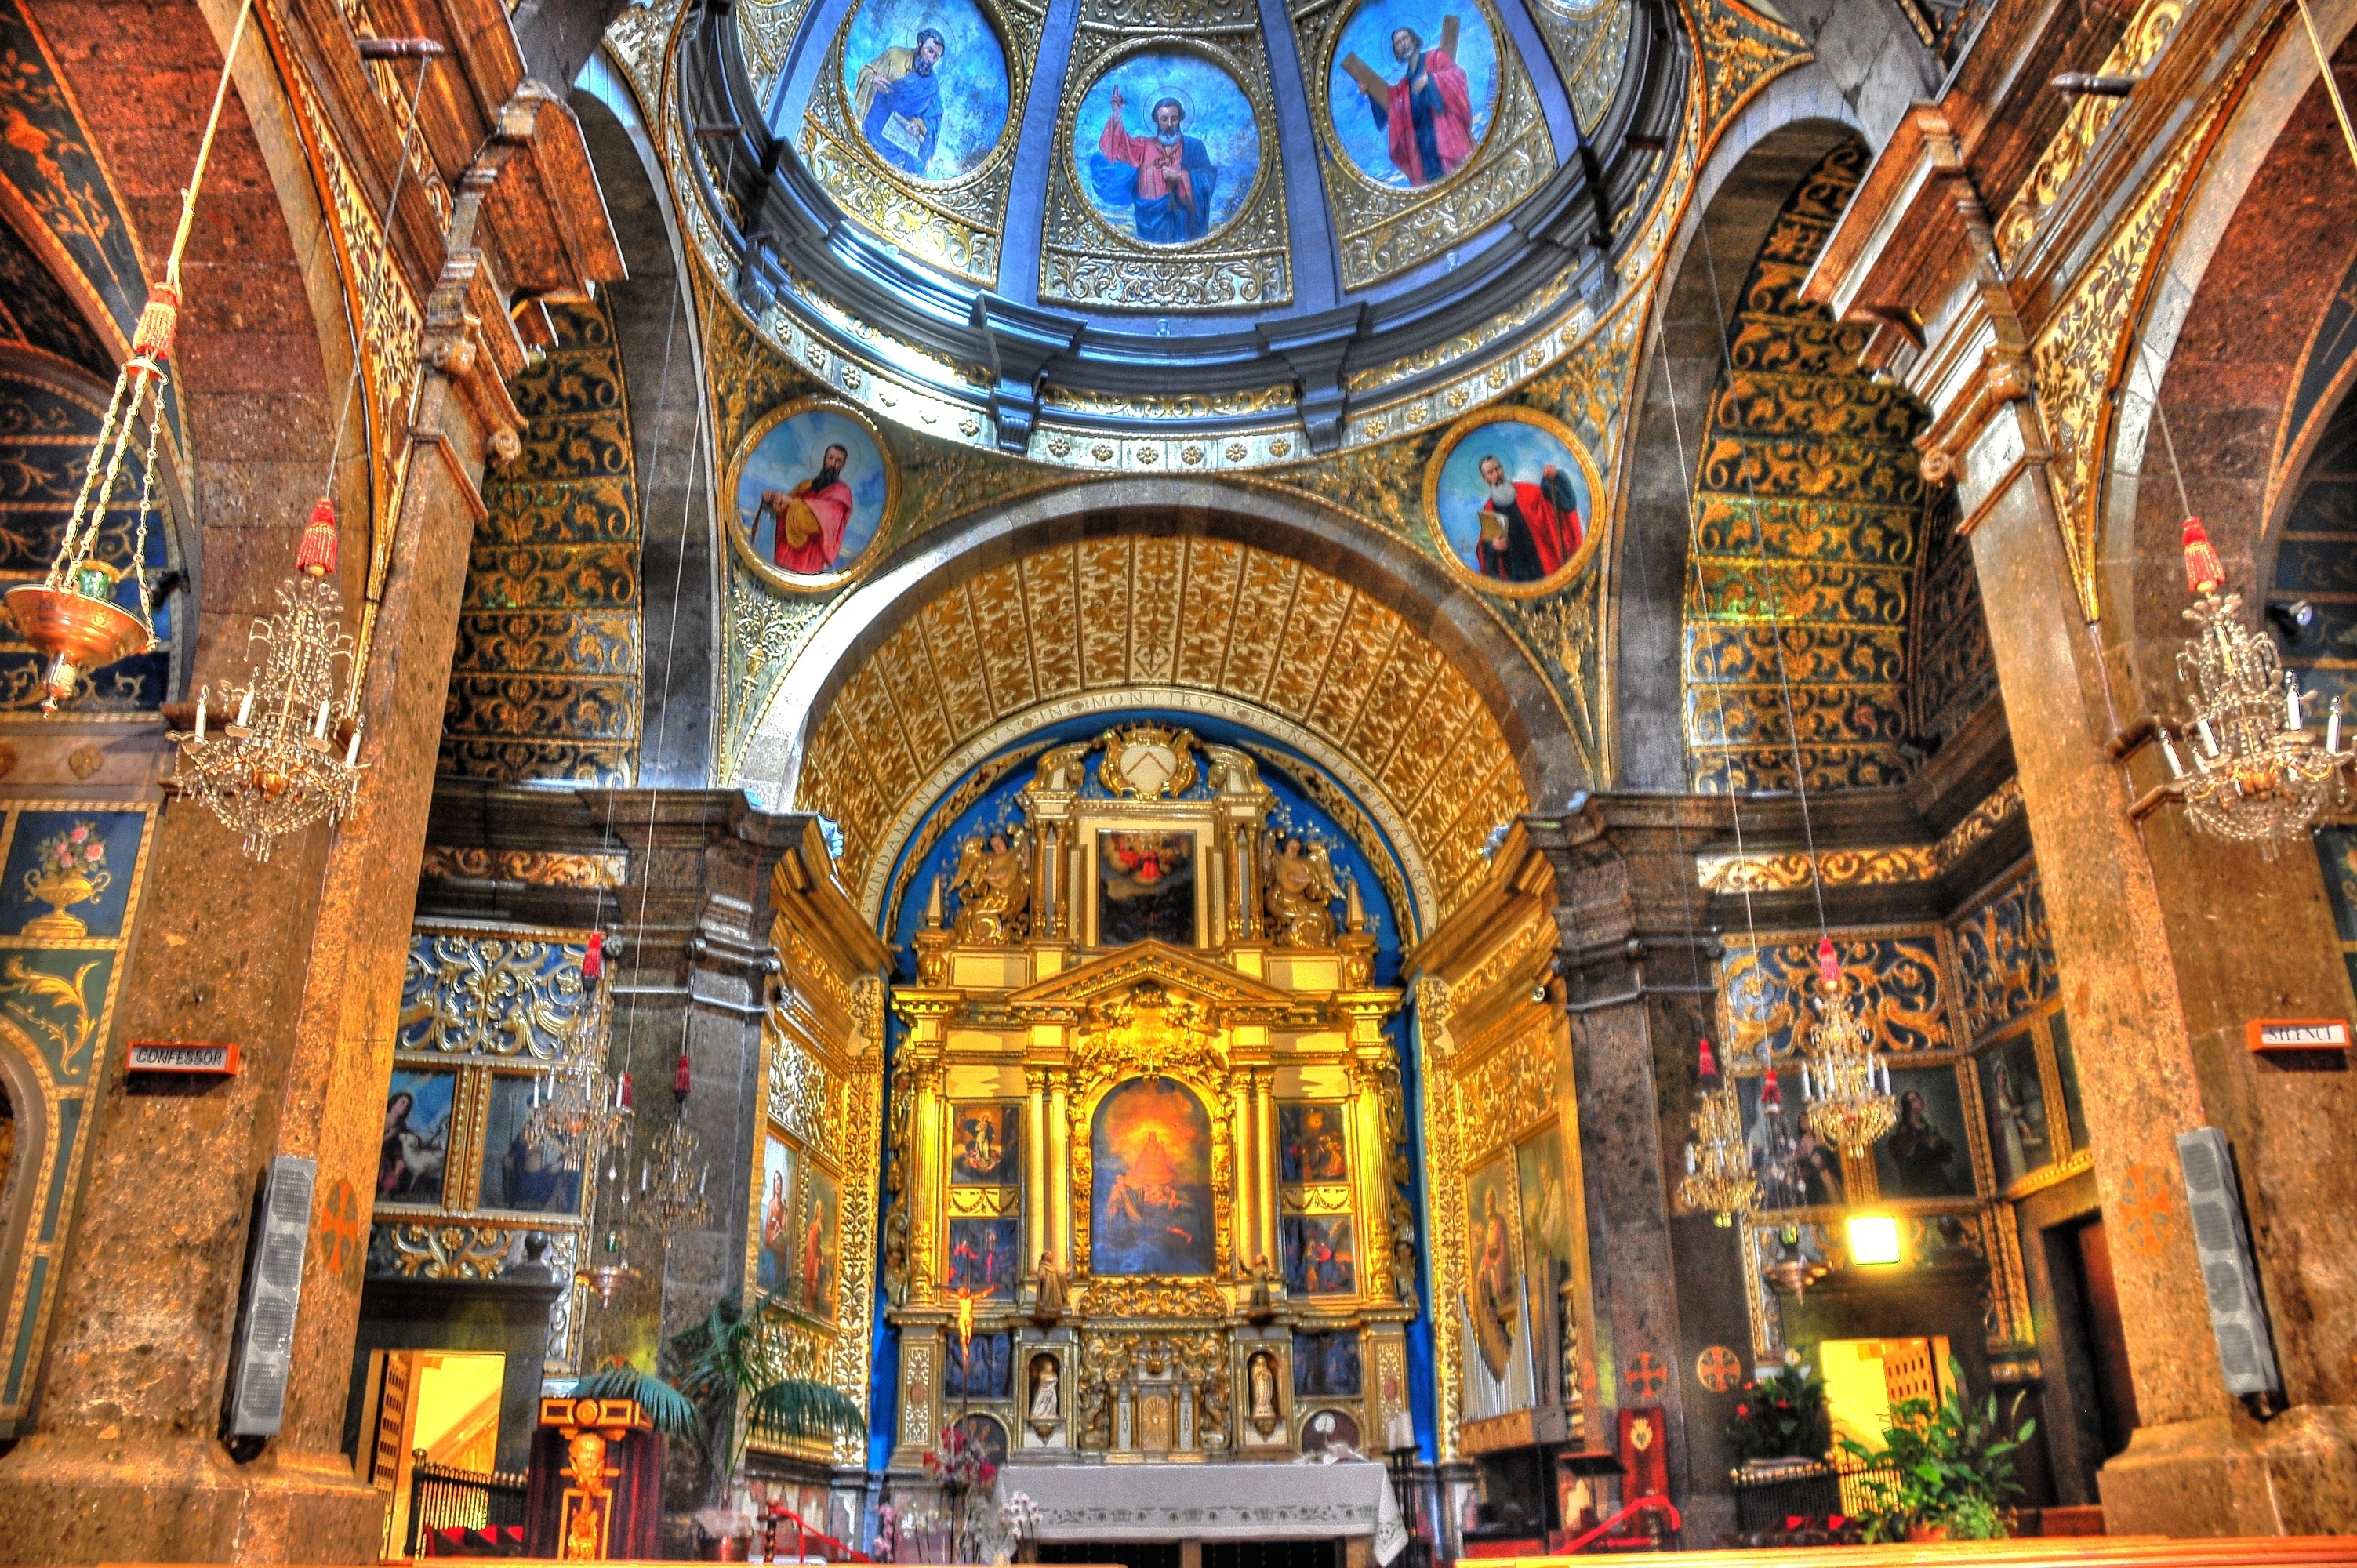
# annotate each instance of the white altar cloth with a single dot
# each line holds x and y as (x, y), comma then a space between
(1212, 1502)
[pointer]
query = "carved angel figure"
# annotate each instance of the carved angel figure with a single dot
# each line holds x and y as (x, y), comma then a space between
(1301, 889)
(994, 878)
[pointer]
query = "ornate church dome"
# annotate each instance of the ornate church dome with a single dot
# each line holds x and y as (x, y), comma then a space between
(1204, 233)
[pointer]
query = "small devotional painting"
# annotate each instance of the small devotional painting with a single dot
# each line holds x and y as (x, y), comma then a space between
(2019, 1135)
(520, 1172)
(1150, 1201)
(1318, 1258)
(1796, 1168)
(1928, 1153)
(416, 1136)
(777, 1257)
(813, 489)
(1497, 1267)
(1168, 147)
(926, 81)
(1147, 880)
(1309, 1142)
(983, 1145)
(813, 1283)
(986, 1257)
(1511, 496)
(1412, 89)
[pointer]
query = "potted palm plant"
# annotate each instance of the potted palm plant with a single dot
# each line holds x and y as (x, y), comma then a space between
(729, 1382)
(1943, 1470)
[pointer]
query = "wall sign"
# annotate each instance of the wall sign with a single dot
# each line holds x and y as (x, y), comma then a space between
(2299, 1033)
(218, 1057)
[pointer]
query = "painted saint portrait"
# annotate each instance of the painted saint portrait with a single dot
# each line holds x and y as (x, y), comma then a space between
(812, 494)
(518, 1172)
(814, 1281)
(776, 1210)
(1511, 497)
(1309, 1143)
(1412, 88)
(1150, 1200)
(416, 1136)
(1147, 883)
(1329, 1429)
(2015, 1098)
(1168, 146)
(1327, 1365)
(1318, 1260)
(987, 1370)
(986, 1257)
(1928, 1153)
(1796, 1168)
(1495, 1298)
(985, 1144)
(926, 81)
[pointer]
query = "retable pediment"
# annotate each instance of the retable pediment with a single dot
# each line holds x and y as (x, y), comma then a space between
(1227, 992)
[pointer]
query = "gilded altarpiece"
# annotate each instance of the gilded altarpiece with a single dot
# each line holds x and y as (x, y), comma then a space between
(1145, 1125)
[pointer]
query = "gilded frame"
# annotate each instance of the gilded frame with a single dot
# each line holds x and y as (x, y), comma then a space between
(1322, 109)
(1212, 1090)
(1093, 825)
(740, 538)
(1111, 60)
(1599, 498)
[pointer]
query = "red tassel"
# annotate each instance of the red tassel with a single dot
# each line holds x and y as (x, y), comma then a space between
(593, 962)
(1708, 1065)
(629, 1096)
(2204, 573)
(679, 1077)
(152, 338)
(1829, 964)
(315, 556)
(1772, 1099)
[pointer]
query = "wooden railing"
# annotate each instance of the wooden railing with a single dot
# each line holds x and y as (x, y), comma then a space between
(442, 1498)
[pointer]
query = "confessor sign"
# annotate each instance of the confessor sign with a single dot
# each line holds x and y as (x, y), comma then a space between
(208, 1057)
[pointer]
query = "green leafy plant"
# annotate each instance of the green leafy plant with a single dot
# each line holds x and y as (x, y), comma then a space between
(1947, 1466)
(1780, 1418)
(728, 1381)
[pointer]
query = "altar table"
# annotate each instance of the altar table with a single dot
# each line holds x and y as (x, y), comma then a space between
(1212, 1503)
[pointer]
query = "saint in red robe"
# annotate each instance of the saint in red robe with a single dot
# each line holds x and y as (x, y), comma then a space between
(1430, 127)
(810, 523)
(1531, 539)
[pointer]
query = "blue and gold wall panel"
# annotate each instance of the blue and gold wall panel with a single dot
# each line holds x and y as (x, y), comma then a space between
(71, 877)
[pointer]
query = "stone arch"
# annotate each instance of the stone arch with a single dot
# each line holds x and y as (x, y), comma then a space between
(1781, 135)
(1060, 587)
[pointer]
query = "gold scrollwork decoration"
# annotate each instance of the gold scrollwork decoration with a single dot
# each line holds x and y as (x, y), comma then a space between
(447, 1252)
(501, 995)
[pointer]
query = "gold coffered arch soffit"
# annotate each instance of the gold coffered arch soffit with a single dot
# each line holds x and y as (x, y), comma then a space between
(1190, 624)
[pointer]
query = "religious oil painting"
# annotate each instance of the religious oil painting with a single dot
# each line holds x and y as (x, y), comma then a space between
(1510, 495)
(1168, 145)
(986, 1257)
(68, 874)
(1326, 1363)
(811, 492)
(985, 1144)
(1494, 1299)
(988, 1435)
(813, 1280)
(1309, 1142)
(1146, 880)
(1928, 1153)
(986, 1371)
(1318, 1257)
(1150, 1200)
(522, 1172)
(1413, 88)
(1546, 1206)
(1795, 1168)
(416, 1136)
(1329, 1429)
(777, 1212)
(927, 83)
(2013, 1096)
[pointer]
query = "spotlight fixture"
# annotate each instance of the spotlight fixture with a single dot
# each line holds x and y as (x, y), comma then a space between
(2294, 619)
(2088, 85)
(1873, 1240)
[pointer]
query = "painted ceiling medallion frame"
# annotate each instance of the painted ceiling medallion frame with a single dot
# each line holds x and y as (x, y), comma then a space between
(1246, 263)
(741, 539)
(1592, 525)
(1590, 44)
(1382, 230)
(956, 224)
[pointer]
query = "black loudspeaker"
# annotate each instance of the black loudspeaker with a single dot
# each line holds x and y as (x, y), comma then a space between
(274, 1286)
(2238, 1317)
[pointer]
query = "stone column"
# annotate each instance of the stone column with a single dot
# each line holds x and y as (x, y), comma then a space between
(1637, 982)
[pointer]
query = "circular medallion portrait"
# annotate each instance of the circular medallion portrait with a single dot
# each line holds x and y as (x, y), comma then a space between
(1168, 147)
(1511, 496)
(813, 487)
(1412, 89)
(926, 83)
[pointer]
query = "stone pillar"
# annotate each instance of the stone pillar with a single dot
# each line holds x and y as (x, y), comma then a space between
(1637, 982)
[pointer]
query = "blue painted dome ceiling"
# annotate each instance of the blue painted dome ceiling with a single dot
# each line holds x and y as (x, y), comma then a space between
(1081, 225)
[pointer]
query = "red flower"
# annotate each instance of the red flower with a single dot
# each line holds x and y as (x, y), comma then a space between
(1743, 1410)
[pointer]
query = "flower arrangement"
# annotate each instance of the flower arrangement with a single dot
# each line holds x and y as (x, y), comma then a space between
(76, 849)
(1781, 1417)
(957, 1462)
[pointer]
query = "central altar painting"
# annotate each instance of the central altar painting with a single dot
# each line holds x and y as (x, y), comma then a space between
(1148, 1192)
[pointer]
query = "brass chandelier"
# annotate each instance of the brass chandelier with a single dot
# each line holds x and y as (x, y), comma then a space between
(1844, 1078)
(2258, 776)
(1719, 1179)
(580, 1109)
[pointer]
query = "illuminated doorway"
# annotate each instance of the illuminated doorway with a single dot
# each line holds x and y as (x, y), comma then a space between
(440, 1408)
